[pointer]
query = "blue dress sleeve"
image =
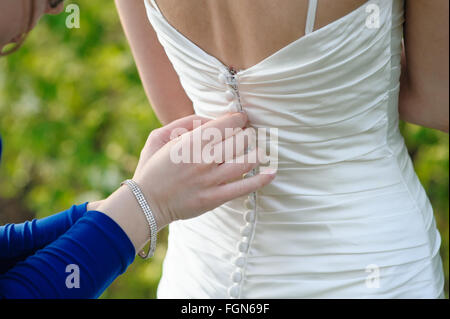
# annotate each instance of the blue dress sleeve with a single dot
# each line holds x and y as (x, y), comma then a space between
(18, 241)
(81, 263)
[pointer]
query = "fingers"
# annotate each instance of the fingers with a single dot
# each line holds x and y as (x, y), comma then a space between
(187, 122)
(181, 126)
(233, 146)
(243, 187)
(205, 145)
(224, 125)
(161, 136)
(234, 169)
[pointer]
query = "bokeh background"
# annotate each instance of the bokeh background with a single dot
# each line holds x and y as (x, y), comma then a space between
(74, 117)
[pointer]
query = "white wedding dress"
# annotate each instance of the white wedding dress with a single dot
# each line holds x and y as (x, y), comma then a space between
(346, 216)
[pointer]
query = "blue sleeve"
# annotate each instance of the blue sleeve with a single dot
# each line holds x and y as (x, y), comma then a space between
(18, 241)
(81, 263)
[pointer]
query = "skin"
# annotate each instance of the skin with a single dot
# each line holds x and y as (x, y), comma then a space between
(183, 191)
(424, 80)
(242, 33)
(173, 191)
(15, 17)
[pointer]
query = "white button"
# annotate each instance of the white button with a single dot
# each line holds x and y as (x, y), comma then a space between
(249, 216)
(240, 261)
(250, 201)
(242, 246)
(233, 291)
(229, 95)
(233, 107)
(236, 276)
(246, 230)
(248, 204)
(222, 78)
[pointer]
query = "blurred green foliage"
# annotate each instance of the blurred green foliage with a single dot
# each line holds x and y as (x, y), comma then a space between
(74, 117)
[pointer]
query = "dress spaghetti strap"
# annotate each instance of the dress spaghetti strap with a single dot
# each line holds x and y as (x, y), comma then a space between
(311, 17)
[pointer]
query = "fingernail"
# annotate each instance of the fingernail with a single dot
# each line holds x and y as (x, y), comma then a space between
(267, 170)
(242, 117)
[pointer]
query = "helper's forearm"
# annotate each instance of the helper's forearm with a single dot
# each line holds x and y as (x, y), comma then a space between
(81, 263)
(18, 241)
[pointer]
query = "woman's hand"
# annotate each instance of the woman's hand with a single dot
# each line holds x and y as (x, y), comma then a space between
(185, 190)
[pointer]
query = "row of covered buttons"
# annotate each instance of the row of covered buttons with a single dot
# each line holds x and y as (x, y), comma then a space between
(232, 95)
(244, 244)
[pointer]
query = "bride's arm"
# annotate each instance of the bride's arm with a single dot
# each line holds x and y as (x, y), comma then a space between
(161, 83)
(424, 97)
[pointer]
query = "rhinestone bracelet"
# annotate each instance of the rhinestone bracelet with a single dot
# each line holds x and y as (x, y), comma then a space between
(148, 215)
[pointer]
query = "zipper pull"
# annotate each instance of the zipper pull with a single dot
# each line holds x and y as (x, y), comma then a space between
(234, 86)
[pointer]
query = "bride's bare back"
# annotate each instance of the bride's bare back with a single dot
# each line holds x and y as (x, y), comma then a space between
(242, 33)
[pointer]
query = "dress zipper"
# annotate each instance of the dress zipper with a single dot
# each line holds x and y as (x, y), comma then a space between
(234, 86)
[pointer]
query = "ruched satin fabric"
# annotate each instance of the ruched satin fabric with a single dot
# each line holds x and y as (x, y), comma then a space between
(346, 199)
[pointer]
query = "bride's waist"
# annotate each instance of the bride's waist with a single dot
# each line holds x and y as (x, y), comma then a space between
(296, 177)
(310, 226)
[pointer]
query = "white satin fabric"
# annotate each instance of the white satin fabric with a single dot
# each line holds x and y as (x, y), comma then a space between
(346, 216)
